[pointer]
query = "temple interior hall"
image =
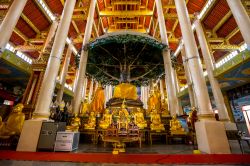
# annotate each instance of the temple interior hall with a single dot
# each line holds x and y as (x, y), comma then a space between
(124, 82)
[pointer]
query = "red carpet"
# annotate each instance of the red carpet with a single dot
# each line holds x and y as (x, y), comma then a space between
(127, 158)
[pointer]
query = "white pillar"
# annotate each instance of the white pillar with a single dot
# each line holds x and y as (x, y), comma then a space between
(51, 34)
(84, 57)
(189, 81)
(85, 85)
(49, 81)
(75, 80)
(206, 128)
(194, 64)
(172, 95)
(218, 97)
(10, 21)
(162, 90)
(91, 90)
(179, 111)
(64, 74)
(242, 19)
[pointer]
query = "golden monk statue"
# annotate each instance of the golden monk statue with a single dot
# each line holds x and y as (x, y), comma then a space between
(164, 108)
(123, 119)
(125, 91)
(106, 120)
(156, 123)
(139, 119)
(14, 124)
(85, 108)
(91, 122)
(74, 124)
(154, 101)
(97, 103)
(175, 126)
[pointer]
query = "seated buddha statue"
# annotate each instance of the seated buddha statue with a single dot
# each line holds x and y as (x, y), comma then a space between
(139, 119)
(91, 122)
(97, 103)
(164, 108)
(14, 124)
(125, 91)
(156, 123)
(106, 119)
(175, 126)
(74, 124)
(123, 117)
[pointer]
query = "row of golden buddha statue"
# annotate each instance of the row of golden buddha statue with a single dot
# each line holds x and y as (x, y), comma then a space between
(124, 119)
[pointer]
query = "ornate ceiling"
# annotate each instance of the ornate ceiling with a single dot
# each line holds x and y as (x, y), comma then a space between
(136, 15)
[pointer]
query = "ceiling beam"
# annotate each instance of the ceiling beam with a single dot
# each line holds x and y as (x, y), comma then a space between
(110, 30)
(223, 47)
(27, 20)
(29, 48)
(222, 22)
(175, 16)
(19, 33)
(79, 17)
(125, 14)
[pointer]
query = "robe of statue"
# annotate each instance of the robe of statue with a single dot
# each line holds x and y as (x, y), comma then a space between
(98, 101)
(125, 91)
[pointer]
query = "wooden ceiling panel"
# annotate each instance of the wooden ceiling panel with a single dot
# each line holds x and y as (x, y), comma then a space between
(72, 32)
(55, 5)
(33, 55)
(25, 28)
(35, 15)
(177, 31)
(227, 28)
(236, 39)
(219, 54)
(216, 14)
(16, 39)
(195, 6)
(101, 5)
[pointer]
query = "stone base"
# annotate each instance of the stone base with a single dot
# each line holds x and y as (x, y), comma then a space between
(211, 137)
(29, 136)
(230, 126)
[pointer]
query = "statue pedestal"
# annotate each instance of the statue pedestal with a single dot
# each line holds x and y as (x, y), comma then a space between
(211, 137)
(29, 136)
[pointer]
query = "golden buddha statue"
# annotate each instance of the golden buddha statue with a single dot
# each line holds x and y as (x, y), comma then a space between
(125, 91)
(164, 108)
(123, 118)
(154, 101)
(74, 124)
(175, 126)
(14, 124)
(91, 122)
(85, 108)
(106, 120)
(97, 103)
(156, 123)
(139, 119)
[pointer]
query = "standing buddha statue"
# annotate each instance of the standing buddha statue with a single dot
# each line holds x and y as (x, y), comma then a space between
(98, 101)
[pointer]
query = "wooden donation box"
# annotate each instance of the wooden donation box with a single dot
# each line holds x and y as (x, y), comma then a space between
(67, 141)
